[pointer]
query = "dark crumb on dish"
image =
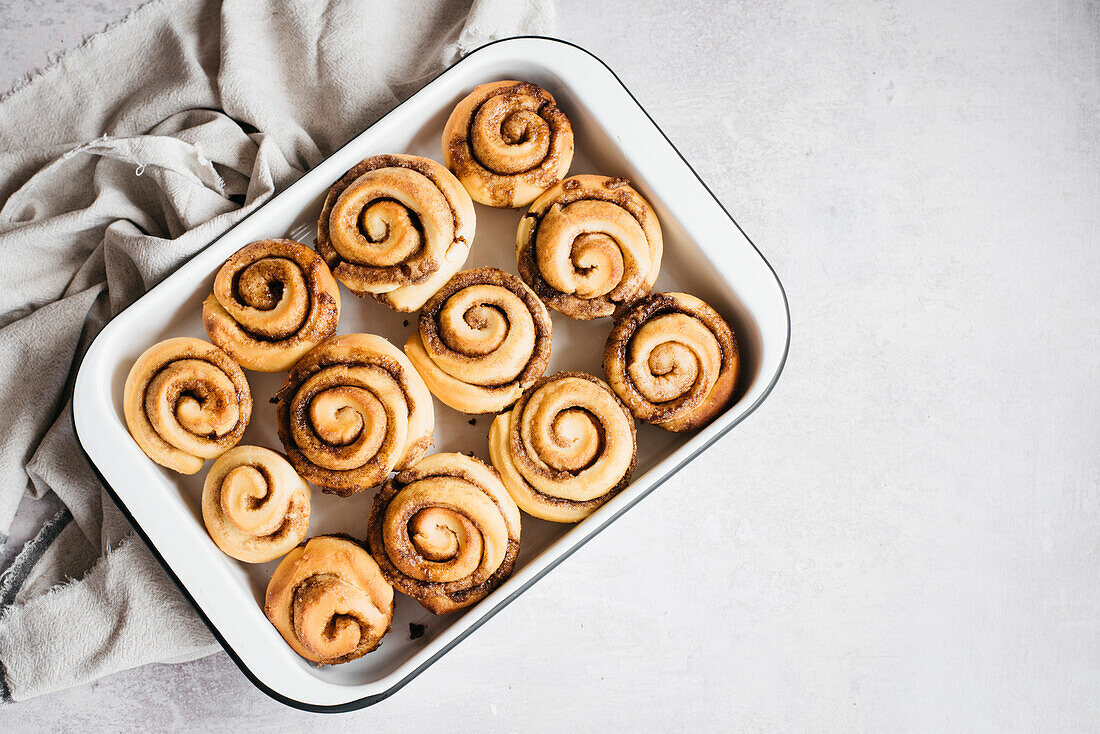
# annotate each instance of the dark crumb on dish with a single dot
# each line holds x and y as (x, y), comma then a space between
(274, 400)
(416, 631)
(472, 421)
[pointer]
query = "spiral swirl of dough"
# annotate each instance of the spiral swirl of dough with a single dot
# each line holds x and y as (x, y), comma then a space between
(482, 340)
(396, 227)
(445, 531)
(353, 410)
(673, 360)
(273, 301)
(254, 505)
(508, 142)
(589, 246)
(186, 401)
(567, 447)
(329, 601)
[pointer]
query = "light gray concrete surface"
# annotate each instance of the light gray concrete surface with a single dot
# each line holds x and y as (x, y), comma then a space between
(906, 537)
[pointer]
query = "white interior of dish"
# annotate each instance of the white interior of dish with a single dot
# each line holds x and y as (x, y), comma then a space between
(705, 254)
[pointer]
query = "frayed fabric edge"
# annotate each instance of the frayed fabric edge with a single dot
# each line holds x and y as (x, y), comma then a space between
(56, 58)
(13, 579)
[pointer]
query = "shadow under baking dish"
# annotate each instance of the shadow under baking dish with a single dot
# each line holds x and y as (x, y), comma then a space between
(705, 254)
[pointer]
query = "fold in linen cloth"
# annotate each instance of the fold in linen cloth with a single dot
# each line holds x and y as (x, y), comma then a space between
(117, 164)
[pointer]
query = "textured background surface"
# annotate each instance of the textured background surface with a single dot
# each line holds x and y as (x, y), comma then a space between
(906, 536)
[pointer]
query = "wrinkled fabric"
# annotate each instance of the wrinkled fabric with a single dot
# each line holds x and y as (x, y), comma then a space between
(117, 164)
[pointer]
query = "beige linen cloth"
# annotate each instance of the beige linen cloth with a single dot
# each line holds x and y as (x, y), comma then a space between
(117, 164)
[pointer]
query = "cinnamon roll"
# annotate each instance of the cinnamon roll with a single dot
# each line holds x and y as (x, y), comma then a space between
(186, 401)
(353, 410)
(445, 531)
(567, 447)
(589, 245)
(482, 340)
(254, 505)
(396, 227)
(673, 360)
(329, 601)
(508, 142)
(273, 301)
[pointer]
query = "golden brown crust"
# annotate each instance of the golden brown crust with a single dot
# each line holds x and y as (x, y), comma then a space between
(185, 401)
(445, 531)
(507, 142)
(329, 600)
(254, 505)
(481, 341)
(673, 360)
(396, 227)
(589, 246)
(351, 411)
(567, 447)
(273, 301)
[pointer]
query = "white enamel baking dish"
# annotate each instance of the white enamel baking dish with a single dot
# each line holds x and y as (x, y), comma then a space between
(706, 253)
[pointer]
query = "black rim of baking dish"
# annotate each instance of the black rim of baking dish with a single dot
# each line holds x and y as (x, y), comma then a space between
(500, 604)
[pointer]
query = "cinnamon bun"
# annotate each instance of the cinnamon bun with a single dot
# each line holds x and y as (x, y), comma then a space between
(589, 245)
(353, 410)
(254, 505)
(567, 447)
(445, 531)
(273, 301)
(673, 360)
(329, 601)
(482, 340)
(396, 227)
(508, 142)
(186, 401)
